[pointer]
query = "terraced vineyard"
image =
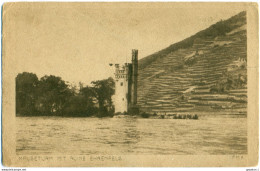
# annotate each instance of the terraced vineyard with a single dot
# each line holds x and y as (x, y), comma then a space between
(204, 73)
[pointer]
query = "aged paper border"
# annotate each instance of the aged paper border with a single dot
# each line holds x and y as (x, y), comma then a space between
(9, 127)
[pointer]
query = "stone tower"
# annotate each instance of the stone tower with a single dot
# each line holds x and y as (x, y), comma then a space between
(132, 107)
(126, 86)
(121, 88)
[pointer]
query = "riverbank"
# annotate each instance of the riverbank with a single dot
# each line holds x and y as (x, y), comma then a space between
(155, 116)
(148, 116)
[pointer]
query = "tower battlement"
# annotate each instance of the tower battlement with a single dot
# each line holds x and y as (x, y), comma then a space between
(121, 71)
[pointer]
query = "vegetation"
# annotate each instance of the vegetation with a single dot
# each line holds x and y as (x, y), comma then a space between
(228, 84)
(145, 115)
(232, 80)
(218, 29)
(103, 91)
(206, 72)
(51, 96)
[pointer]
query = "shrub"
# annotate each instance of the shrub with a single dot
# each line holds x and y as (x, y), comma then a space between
(195, 117)
(145, 115)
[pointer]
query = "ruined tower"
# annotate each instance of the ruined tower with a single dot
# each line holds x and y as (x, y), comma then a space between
(132, 107)
(126, 86)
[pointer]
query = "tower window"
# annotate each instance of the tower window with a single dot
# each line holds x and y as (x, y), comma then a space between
(121, 84)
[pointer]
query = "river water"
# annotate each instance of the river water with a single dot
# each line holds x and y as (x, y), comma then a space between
(111, 136)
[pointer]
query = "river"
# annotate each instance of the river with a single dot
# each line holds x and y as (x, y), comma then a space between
(111, 136)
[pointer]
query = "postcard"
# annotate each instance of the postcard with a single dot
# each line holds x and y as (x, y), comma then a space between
(130, 84)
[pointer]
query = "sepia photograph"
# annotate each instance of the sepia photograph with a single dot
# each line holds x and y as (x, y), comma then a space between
(130, 84)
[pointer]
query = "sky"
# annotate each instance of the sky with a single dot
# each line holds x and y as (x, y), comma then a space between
(77, 41)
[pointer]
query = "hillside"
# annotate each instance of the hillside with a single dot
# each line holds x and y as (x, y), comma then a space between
(203, 73)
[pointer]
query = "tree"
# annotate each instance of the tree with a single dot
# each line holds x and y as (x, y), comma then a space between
(81, 104)
(89, 94)
(54, 97)
(53, 94)
(26, 85)
(78, 106)
(103, 91)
